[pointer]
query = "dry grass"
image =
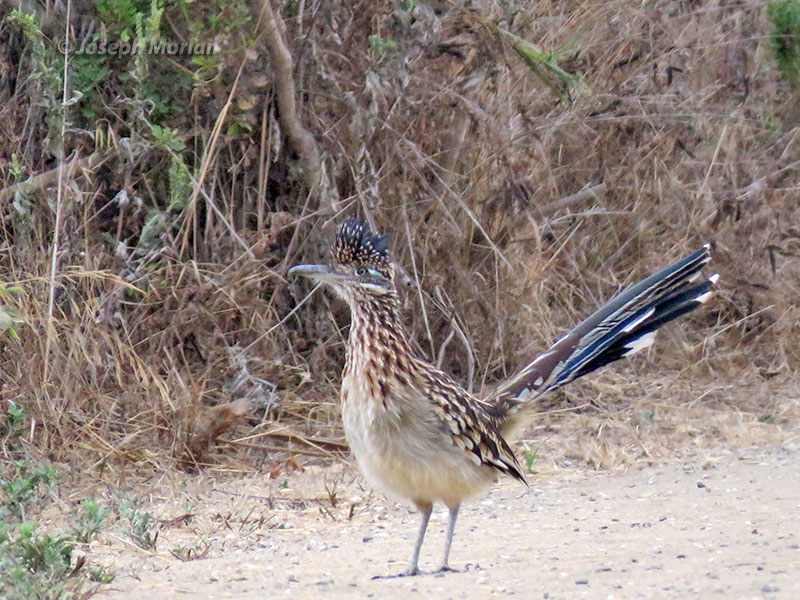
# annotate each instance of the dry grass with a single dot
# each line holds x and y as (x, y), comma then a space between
(446, 140)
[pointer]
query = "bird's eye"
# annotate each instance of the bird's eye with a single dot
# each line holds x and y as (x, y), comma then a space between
(361, 271)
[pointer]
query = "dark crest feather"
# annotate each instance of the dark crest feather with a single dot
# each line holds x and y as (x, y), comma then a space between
(355, 243)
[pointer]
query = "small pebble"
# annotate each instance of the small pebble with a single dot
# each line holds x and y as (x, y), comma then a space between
(770, 586)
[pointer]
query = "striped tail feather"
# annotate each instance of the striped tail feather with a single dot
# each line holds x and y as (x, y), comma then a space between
(623, 326)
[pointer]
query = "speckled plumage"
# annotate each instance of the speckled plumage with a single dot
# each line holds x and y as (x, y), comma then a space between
(415, 432)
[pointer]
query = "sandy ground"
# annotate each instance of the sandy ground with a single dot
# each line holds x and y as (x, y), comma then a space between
(727, 527)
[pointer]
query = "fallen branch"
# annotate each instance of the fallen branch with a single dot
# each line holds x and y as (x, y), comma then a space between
(568, 201)
(48, 178)
(125, 149)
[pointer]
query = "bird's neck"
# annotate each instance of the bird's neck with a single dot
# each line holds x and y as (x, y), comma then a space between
(377, 342)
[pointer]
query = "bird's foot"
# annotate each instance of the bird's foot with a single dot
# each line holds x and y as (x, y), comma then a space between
(412, 571)
(445, 569)
(409, 572)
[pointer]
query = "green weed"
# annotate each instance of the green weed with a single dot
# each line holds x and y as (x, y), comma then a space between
(544, 65)
(100, 574)
(24, 485)
(88, 517)
(34, 564)
(381, 47)
(187, 552)
(530, 456)
(785, 38)
(45, 76)
(8, 318)
(11, 422)
(140, 524)
(167, 138)
(180, 183)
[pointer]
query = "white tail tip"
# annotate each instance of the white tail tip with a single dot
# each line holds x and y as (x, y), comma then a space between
(641, 343)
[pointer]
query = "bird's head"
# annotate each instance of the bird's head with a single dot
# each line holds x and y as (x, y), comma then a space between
(360, 267)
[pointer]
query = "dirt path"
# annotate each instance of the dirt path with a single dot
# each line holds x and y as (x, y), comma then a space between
(730, 530)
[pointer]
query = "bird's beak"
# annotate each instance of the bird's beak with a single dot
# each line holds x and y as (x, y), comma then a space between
(318, 272)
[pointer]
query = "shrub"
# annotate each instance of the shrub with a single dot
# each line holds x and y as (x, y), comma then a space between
(785, 38)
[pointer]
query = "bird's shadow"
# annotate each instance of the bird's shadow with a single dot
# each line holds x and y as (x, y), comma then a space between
(441, 572)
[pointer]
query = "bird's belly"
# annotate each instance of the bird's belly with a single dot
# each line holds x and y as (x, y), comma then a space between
(407, 453)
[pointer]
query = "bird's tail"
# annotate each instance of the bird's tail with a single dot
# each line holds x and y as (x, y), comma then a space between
(623, 326)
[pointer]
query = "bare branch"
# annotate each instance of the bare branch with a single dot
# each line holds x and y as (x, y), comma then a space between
(48, 178)
(300, 139)
(586, 193)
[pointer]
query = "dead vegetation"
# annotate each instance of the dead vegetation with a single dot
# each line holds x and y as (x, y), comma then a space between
(513, 212)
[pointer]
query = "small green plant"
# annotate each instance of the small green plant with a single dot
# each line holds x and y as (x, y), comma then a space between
(155, 223)
(188, 509)
(88, 517)
(22, 487)
(785, 38)
(41, 551)
(381, 47)
(766, 419)
(544, 65)
(167, 138)
(35, 564)
(22, 216)
(148, 28)
(11, 422)
(180, 183)
(530, 456)
(100, 574)
(196, 551)
(120, 15)
(45, 79)
(770, 124)
(17, 168)
(8, 318)
(87, 72)
(140, 524)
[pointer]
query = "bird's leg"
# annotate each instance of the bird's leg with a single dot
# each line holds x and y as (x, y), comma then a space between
(451, 527)
(425, 509)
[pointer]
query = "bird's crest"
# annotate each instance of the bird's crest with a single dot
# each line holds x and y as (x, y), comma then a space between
(356, 244)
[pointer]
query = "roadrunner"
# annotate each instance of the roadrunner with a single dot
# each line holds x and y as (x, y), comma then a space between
(419, 435)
